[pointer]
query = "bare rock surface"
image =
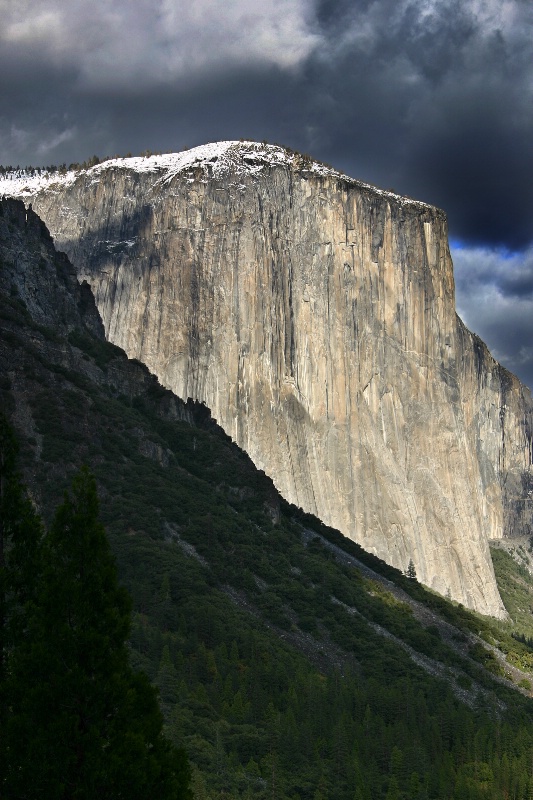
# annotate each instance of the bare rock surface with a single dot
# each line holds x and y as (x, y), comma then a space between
(315, 315)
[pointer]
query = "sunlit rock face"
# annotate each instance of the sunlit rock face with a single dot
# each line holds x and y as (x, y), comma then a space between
(315, 316)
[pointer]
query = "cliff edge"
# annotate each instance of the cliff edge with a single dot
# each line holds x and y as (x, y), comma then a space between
(315, 315)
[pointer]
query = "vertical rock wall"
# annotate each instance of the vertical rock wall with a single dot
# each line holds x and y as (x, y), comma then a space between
(316, 317)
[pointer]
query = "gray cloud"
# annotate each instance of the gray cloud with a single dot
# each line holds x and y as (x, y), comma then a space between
(494, 292)
(123, 46)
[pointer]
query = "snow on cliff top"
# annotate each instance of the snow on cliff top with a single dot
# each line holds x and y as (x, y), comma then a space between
(219, 158)
(241, 158)
(23, 184)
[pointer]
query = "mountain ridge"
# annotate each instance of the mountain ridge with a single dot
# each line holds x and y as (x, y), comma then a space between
(216, 157)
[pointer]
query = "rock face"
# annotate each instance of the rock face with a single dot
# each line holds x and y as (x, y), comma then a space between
(315, 316)
(44, 281)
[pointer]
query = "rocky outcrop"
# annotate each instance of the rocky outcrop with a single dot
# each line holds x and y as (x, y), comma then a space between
(315, 316)
(44, 281)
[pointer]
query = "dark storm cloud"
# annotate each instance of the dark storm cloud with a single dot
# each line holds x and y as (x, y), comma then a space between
(435, 97)
(432, 98)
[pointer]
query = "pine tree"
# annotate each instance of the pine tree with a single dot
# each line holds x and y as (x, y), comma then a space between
(411, 570)
(82, 724)
(20, 537)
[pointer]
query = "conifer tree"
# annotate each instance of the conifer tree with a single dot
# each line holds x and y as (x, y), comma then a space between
(411, 570)
(20, 536)
(82, 724)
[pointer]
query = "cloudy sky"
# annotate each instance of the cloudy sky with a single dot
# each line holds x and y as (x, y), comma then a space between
(432, 98)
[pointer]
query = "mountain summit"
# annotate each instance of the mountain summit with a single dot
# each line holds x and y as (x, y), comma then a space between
(315, 315)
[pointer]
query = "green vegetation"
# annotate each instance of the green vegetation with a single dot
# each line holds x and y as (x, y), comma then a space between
(411, 571)
(516, 589)
(77, 721)
(270, 671)
(102, 352)
(31, 171)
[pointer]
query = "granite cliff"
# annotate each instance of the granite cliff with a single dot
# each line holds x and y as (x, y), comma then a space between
(315, 316)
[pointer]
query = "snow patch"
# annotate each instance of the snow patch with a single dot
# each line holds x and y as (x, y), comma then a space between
(26, 184)
(215, 160)
(120, 244)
